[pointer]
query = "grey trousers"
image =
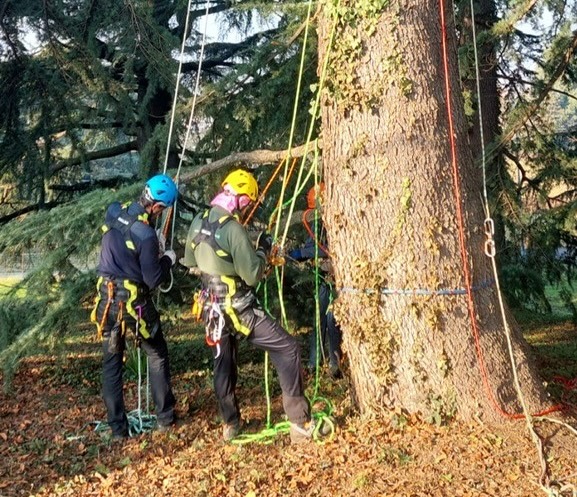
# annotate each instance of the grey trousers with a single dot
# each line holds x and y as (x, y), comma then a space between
(284, 352)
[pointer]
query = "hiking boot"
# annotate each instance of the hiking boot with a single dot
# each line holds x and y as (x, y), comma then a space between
(164, 428)
(230, 431)
(301, 433)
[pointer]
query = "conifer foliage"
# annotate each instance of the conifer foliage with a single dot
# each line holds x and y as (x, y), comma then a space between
(55, 295)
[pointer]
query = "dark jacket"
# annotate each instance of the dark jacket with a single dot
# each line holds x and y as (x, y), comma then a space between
(141, 265)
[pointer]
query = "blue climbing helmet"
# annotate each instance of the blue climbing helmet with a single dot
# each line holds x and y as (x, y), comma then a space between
(161, 189)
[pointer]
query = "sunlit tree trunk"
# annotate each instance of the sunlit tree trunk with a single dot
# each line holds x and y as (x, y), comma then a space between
(392, 216)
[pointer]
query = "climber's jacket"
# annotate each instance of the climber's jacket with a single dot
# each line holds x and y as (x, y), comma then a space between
(224, 248)
(130, 248)
(221, 248)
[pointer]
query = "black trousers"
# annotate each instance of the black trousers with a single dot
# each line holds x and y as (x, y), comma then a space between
(329, 331)
(283, 349)
(155, 348)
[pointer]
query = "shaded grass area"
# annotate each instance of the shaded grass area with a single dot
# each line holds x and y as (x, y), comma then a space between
(553, 337)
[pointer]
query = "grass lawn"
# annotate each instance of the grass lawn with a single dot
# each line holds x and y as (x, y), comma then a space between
(7, 282)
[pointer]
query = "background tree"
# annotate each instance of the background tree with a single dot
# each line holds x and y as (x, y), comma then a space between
(87, 87)
(518, 66)
(409, 332)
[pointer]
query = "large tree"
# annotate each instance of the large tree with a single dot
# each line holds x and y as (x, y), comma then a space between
(418, 303)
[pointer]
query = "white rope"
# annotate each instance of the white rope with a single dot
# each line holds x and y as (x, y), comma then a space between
(171, 127)
(177, 85)
(490, 252)
(196, 88)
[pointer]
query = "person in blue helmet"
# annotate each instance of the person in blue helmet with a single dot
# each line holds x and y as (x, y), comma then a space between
(132, 264)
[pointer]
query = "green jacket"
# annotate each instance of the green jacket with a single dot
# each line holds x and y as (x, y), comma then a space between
(233, 239)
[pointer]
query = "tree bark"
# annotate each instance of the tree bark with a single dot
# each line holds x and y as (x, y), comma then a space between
(396, 211)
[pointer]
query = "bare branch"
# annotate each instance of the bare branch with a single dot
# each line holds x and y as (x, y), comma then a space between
(251, 159)
(97, 154)
(27, 209)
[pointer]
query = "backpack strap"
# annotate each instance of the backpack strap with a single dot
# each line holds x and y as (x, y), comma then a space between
(207, 234)
(123, 222)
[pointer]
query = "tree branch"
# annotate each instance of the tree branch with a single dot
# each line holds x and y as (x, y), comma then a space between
(250, 159)
(27, 209)
(534, 105)
(97, 154)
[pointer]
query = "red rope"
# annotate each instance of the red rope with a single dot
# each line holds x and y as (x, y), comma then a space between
(312, 234)
(462, 242)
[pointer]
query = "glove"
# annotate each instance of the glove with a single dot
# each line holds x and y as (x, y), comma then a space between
(264, 243)
(171, 255)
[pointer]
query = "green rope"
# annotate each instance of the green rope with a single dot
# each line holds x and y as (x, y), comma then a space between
(323, 432)
(264, 436)
(266, 370)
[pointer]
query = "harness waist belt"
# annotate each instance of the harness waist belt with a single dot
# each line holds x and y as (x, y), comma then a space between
(122, 288)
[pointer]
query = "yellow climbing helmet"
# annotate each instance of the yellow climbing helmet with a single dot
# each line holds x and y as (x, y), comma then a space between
(243, 183)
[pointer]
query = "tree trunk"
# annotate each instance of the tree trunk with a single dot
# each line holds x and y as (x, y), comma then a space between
(393, 216)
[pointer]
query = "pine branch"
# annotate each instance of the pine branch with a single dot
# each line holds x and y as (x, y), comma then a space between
(535, 104)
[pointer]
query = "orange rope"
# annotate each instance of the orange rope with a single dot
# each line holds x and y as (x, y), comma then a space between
(279, 204)
(168, 218)
(313, 235)
(462, 242)
(263, 193)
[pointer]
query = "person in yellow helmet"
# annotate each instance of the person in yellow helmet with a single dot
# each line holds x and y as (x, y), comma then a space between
(231, 267)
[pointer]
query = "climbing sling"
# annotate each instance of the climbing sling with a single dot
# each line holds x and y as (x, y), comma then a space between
(123, 222)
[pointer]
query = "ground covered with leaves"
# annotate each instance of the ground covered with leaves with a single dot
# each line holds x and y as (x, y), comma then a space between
(49, 445)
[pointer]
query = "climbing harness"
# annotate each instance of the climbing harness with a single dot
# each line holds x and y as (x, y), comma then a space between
(214, 325)
(123, 222)
(207, 234)
(110, 297)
